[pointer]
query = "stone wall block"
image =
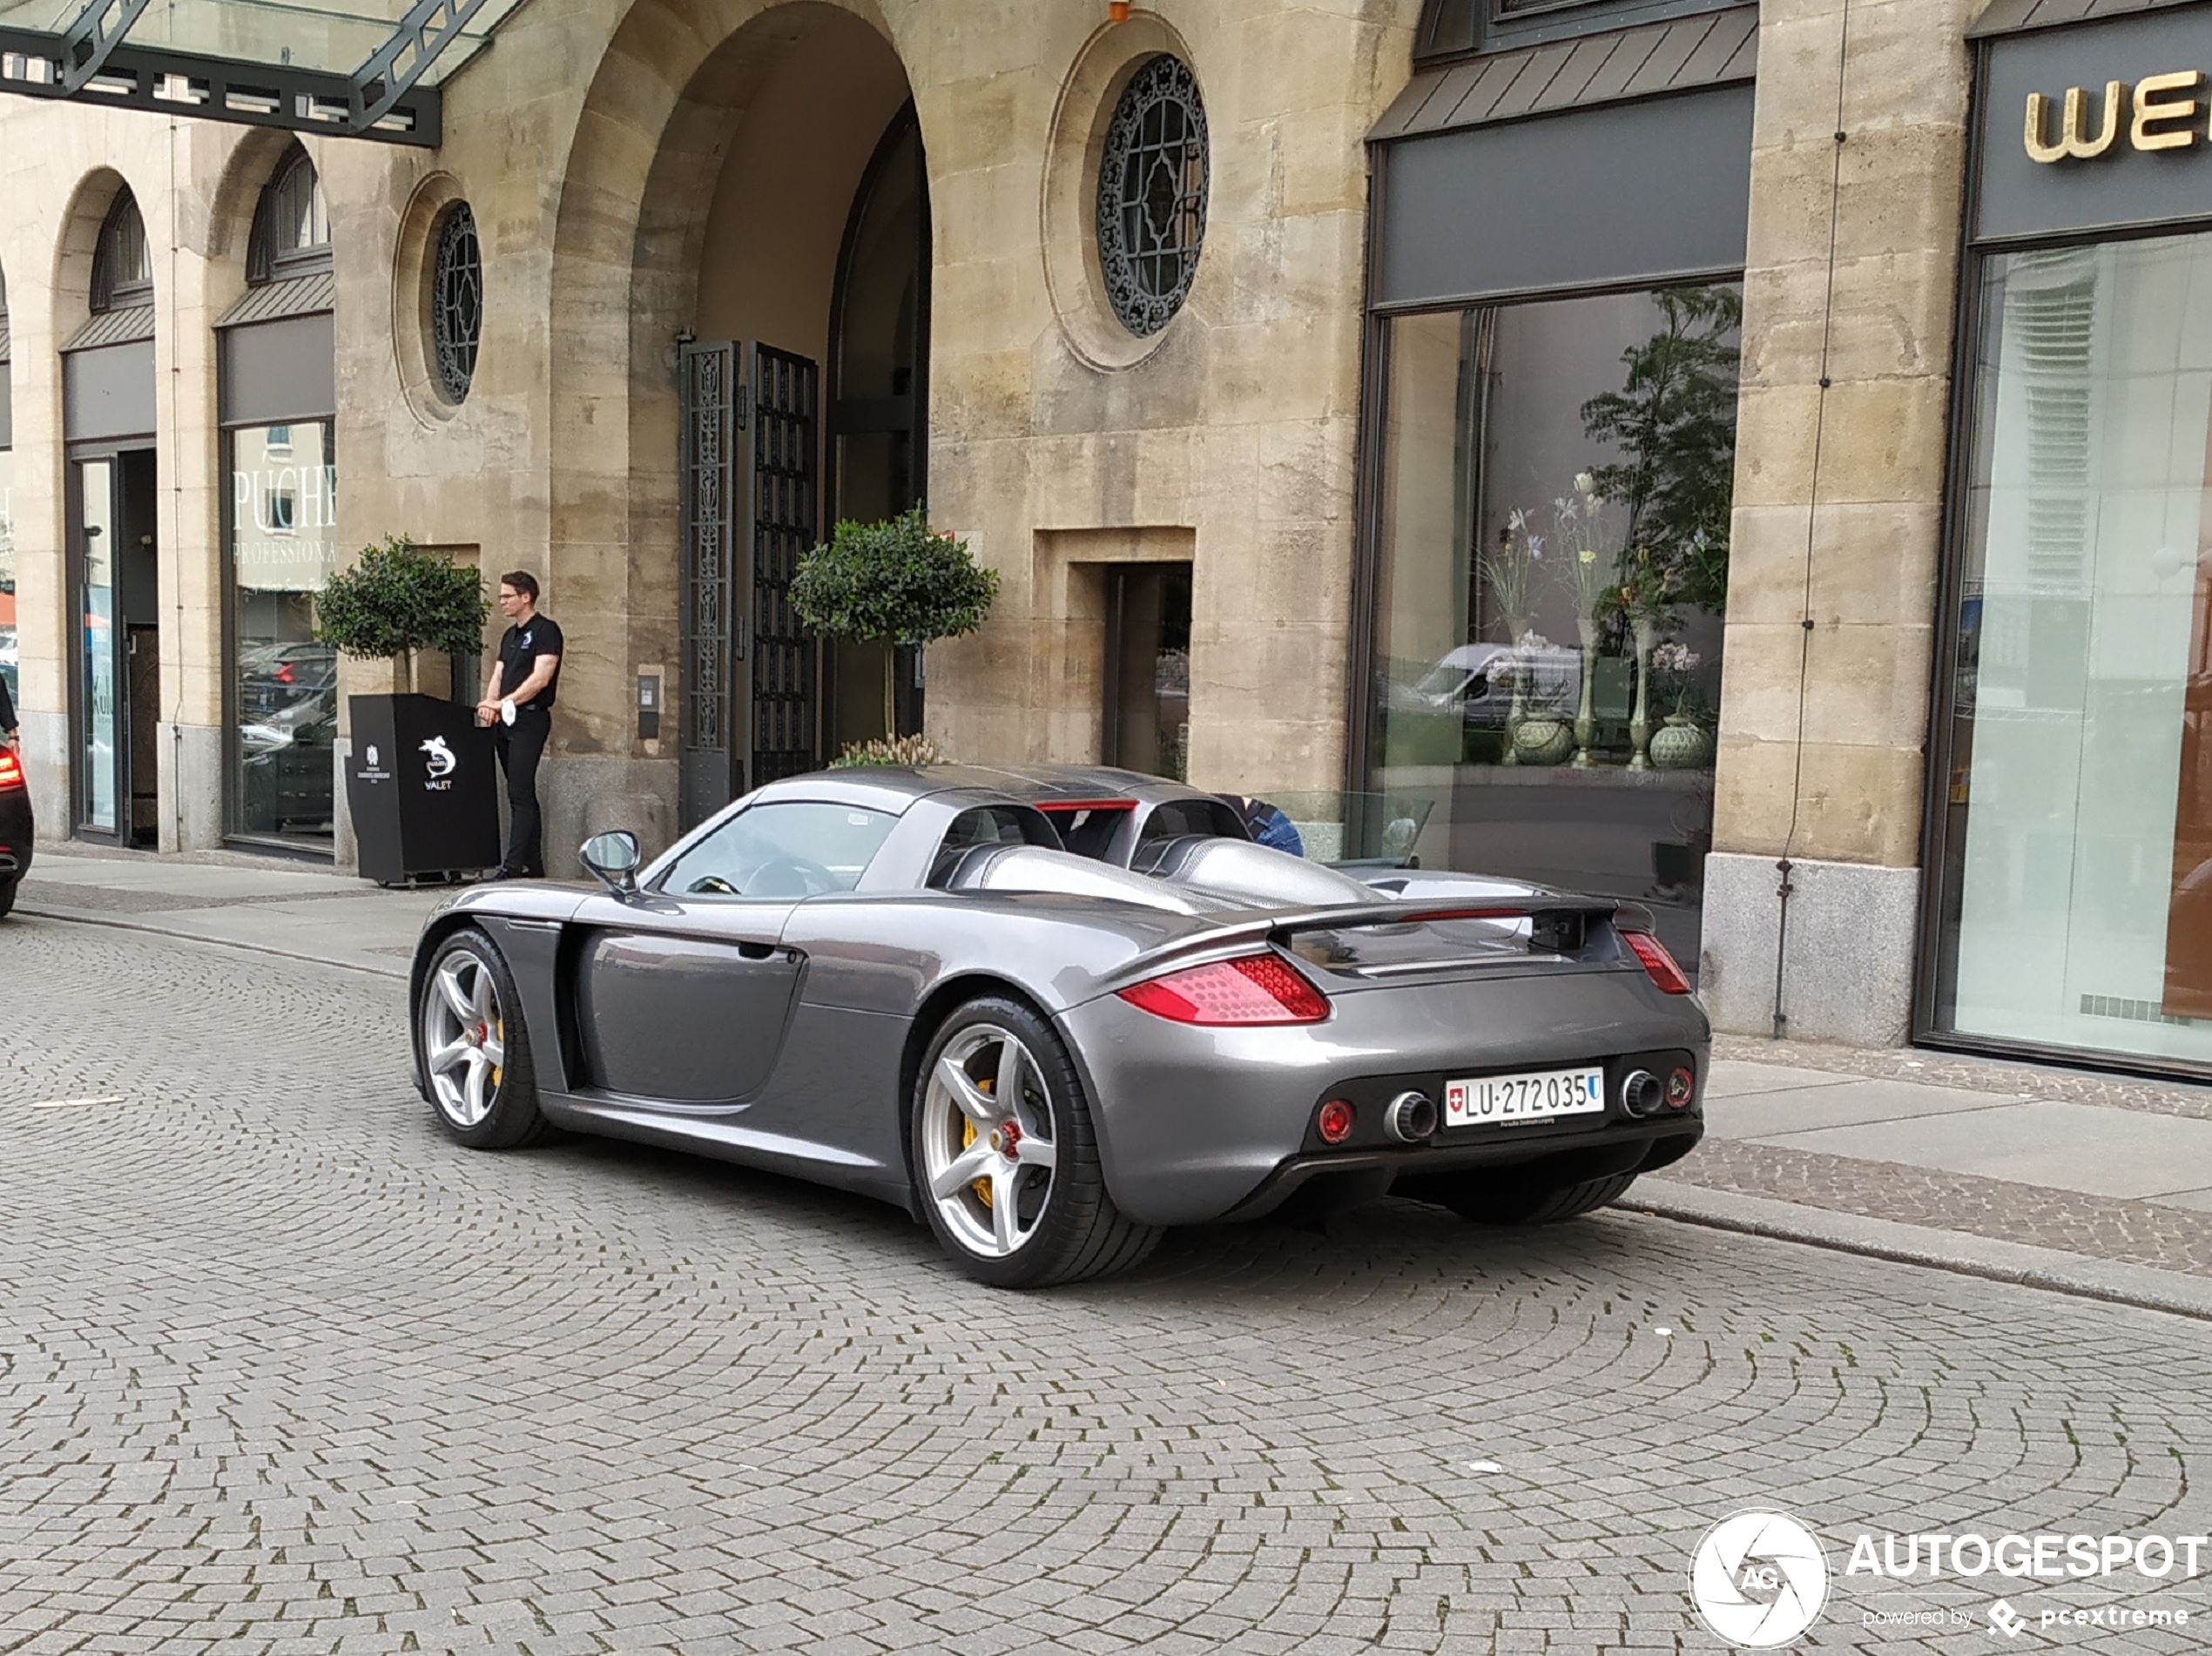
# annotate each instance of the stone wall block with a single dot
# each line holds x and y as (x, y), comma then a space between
(1777, 432)
(1885, 439)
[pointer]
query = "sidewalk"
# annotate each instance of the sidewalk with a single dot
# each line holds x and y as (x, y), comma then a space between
(295, 910)
(2093, 1184)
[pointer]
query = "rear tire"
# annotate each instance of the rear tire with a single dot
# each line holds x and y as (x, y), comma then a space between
(473, 1049)
(1493, 1201)
(1006, 1160)
(8, 896)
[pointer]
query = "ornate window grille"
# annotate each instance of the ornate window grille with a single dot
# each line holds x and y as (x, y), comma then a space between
(1152, 196)
(122, 266)
(456, 302)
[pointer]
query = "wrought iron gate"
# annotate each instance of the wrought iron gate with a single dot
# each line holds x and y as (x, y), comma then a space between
(786, 395)
(709, 477)
(749, 496)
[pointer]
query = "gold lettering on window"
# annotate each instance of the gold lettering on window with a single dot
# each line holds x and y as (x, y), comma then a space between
(2157, 110)
(2074, 142)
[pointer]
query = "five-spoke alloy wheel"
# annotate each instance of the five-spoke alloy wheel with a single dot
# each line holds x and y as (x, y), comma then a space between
(474, 1049)
(1006, 1158)
(988, 1149)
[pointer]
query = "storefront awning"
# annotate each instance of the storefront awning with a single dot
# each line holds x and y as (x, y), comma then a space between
(1711, 49)
(2011, 16)
(352, 68)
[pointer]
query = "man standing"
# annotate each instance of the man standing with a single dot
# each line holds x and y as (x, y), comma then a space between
(519, 707)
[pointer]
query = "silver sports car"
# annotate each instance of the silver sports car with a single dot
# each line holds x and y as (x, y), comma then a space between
(1053, 1011)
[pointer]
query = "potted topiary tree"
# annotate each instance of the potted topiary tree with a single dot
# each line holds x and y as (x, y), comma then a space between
(423, 780)
(894, 582)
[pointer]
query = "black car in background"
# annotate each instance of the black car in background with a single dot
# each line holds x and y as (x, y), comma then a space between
(16, 826)
(274, 677)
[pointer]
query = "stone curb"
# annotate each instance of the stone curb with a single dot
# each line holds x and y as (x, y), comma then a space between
(2050, 1269)
(79, 917)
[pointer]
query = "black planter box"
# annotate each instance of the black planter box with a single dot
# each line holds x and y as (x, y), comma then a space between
(424, 781)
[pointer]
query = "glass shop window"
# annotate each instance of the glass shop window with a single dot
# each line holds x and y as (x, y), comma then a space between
(1557, 479)
(8, 638)
(283, 547)
(2076, 812)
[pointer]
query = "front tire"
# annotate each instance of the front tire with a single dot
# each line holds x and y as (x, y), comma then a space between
(475, 1050)
(1006, 1159)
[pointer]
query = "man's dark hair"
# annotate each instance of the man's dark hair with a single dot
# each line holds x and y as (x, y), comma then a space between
(523, 580)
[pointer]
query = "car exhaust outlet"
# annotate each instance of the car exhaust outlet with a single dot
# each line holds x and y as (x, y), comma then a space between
(1641, 1092)
(1410, 1118)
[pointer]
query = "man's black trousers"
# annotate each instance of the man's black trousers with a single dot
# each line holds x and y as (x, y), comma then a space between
(521, 744)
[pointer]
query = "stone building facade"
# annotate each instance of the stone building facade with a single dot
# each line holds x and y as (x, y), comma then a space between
(1287, 522)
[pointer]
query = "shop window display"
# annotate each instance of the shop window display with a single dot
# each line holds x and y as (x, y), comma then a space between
(8, 637)
(2076, 821)
(284, 548)
(1554, 562)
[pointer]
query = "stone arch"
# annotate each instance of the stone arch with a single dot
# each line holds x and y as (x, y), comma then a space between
(665, 107)
(247, 171)
(78, 238)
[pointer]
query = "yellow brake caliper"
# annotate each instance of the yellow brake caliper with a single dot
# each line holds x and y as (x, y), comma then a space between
(981, 1187)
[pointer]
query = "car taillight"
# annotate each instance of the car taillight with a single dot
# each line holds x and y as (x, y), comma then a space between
(10, 770)
(1254, 989)
(1657, 963)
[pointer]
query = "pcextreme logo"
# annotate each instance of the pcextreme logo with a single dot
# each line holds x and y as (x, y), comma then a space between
(1759, 1579)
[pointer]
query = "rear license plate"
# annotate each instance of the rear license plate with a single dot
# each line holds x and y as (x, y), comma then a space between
(1500, 1099)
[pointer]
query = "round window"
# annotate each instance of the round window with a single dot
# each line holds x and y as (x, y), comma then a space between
(1152, 196)
(456, 302)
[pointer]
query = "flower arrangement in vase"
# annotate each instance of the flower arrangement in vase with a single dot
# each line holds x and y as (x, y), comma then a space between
(1508, 581)
(1681, 743)
(1645, 598)
(1585, 529)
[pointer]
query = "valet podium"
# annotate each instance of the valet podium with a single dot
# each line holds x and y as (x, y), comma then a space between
(423, 782)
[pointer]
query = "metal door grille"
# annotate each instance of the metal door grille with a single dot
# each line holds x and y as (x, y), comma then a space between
(785, 392)
(709, 478)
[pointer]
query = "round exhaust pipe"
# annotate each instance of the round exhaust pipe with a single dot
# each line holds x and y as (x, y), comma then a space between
(1410, 1118)
(1641, 1092)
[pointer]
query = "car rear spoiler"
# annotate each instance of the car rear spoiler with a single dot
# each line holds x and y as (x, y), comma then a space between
(1558, 924)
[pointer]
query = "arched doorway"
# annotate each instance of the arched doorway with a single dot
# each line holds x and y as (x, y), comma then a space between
(797, 388)
(109, 423)
(705, 203)
(878, 405)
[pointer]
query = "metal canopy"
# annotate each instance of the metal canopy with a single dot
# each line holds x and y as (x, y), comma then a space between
(352, 68)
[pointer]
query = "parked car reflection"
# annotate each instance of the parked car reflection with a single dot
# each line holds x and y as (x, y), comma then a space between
(288, 768)
(283, 675)
(1480, 681)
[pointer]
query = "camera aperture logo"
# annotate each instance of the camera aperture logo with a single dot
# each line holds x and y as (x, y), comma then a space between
(1759, 1579)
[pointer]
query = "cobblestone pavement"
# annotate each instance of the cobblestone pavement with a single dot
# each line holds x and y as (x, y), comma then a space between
(285, 1371)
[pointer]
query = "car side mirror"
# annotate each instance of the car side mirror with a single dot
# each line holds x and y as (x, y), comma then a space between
(615, 859)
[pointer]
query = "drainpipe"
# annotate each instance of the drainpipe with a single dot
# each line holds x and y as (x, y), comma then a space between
(1783, 867)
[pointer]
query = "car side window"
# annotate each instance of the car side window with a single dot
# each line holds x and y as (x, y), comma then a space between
(783, 850)
(985, 825)
(1211, 819)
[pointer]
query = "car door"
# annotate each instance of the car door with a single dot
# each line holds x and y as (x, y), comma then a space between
(684, 995)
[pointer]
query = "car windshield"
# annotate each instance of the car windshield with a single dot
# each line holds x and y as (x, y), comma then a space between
(785, 849)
